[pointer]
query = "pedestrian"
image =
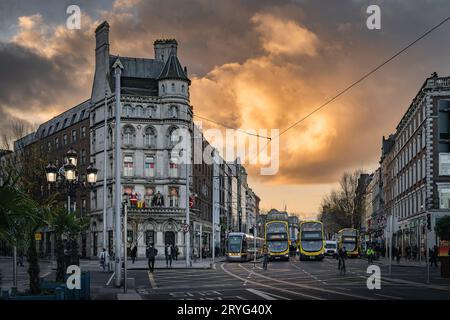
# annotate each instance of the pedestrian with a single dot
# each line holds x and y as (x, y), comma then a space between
(152, 253)
(176, 252)
(133, 253)
(20, 260)
(342, 257)
(370, 254)
(433, 256)
(168, 252)
(104, 259)
(398, 254)
(265, 257)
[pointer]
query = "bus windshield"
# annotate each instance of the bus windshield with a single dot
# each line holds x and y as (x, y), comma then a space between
(276, 227)
(312, 245)
(234, 244)
(349, 245)
(277, 246)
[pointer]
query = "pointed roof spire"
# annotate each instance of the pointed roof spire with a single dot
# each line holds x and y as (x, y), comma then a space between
(173, 69)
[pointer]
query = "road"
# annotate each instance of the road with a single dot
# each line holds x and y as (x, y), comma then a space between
(294, 280)
(291, 280)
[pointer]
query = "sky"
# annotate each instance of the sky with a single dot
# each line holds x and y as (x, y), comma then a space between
(253, 64)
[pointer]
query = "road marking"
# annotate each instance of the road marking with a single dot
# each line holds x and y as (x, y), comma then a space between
(110, 279)
(45, 274)
(389, 297)
(266, 295)
(268, 286)
(309, 287)
(152, 280)
(309, 274)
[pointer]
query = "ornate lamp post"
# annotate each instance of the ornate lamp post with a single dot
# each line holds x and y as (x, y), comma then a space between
(66, 178)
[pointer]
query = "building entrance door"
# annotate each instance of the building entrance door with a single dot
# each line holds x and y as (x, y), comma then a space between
(169, 237)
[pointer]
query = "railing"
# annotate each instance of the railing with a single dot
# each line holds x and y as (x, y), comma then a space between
(156, 210)
(438, 82)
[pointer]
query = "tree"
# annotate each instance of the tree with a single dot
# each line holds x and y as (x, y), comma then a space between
(344, 207)
(443, 228)
(66, 225)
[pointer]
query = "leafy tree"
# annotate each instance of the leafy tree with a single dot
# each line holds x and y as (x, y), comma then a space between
(66, 226)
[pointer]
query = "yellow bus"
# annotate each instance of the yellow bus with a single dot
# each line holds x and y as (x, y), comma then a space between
(312, 241)
(349, 238)
(277, 235)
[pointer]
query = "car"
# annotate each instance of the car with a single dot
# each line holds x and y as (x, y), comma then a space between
(331, 248)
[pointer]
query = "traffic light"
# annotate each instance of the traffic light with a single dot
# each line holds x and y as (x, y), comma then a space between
(429, 221)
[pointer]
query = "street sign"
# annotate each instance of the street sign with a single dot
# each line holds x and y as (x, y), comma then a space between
(185, 228)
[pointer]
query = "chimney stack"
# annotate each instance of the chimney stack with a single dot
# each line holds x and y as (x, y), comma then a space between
(101, 63)
(164, 47)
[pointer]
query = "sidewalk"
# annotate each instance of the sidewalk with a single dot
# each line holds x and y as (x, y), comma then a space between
(403, 262)
(142, 264)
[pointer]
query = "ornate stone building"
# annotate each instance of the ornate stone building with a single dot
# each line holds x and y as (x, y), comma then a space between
(155, 107)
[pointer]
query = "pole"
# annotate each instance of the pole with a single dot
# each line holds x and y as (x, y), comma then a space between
(213, 243)
(427, 256)
(68, 202)
(118, 187)
(125, 253)
(255, 252)
(200, 244)
(15, 267)
(188, 231)
(105, 173)
(390, 243)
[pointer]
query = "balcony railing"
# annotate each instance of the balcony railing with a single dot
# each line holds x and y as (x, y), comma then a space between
(156, 210)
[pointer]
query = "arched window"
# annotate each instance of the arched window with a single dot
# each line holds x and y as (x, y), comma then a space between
(163, 88)
(128, 135)
(150, 137)
(127, 110)
(183, 88)
(173, 111)
(174, 136)
(139, 111)
(150, 111)
(173, 87)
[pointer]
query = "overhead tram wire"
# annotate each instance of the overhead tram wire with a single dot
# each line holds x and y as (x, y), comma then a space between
(219, 123)
(368, 74)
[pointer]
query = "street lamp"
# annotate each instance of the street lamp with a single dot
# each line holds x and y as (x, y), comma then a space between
(70, 171)
(51, 172)
(91, 172)
(71, 156)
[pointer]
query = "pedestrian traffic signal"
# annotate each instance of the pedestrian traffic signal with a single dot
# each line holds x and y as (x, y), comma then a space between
(429, 221)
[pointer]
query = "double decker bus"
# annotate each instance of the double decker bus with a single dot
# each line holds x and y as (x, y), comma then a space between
(312, 241)
(277, 235)
(349, 239)
(241, 247)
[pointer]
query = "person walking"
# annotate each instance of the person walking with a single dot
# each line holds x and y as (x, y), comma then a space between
(265, 257)
(342, 256)
(133, 253)
(104, 259)
(433, 256)
(176, 252)
(152, 253)
(398, 254)
(168, 252)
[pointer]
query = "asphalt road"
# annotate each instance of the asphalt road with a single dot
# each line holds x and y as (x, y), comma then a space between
(293, 280)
